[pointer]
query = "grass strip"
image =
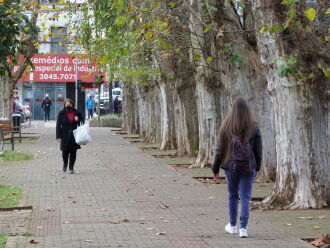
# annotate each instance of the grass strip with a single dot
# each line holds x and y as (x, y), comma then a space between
(3, 241)
(10, 196)
(6, 156)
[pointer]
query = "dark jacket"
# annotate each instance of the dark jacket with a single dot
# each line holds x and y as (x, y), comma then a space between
(256, 144)
(46, 103)
(64, 130)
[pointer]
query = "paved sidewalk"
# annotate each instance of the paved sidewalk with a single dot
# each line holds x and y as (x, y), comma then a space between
(122, 197)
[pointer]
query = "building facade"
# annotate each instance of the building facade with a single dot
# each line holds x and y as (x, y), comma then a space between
(59, 64)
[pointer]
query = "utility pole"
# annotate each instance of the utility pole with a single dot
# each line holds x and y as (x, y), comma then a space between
(98, 105)
(76, 84)
(99, 83)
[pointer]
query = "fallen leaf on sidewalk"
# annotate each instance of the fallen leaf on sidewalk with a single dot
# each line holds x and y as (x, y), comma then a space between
(326, 239)
(115, 222)
(160, 233)
(119, 221)
(206, 236)
(312, 218)
(33, 241)
(322, 241)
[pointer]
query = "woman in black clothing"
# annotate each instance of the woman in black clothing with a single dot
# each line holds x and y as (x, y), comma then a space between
(67, 121)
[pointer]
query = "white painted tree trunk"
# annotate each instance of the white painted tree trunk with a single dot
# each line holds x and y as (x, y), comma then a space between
(142, 112)
(181, 127)
(206, 123)
(167, 117)
(302, 114)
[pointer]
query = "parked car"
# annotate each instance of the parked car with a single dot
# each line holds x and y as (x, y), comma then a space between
(21, 110)
(27, 112)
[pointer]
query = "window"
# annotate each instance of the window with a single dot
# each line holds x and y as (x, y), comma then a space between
(58, 40)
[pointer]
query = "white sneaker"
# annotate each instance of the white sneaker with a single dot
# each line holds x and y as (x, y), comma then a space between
(231, 229)
(243, 233)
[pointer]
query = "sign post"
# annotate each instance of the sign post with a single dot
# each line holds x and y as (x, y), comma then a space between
(76, 85)
(99, 82)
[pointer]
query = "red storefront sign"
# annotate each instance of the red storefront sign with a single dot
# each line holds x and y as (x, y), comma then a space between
(60, 68)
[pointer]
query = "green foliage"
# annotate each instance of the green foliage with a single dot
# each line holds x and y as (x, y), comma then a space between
(287, 67)
(271, 30)
(122, 38)
(172, 4)
(288, 2)
(3, 241)
(10, 196)
(310, 14)
(16, 26)
(233, 56)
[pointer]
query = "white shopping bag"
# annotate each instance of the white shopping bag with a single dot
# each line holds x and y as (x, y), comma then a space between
(82, 134)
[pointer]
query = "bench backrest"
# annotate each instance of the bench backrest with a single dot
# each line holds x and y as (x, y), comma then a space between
(5, 125)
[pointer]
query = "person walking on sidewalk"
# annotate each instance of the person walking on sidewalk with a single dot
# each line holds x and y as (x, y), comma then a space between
(239, 153)
(90, 105)
(46, 104)
(67, 121)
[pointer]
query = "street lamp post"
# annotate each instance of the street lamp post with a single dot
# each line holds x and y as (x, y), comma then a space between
(99, 83)
(76, 84)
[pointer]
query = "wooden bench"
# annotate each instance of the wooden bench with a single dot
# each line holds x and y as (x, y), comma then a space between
(7, 132)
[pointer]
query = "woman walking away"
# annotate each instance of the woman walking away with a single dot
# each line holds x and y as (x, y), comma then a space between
(238, 152)
(67, 121)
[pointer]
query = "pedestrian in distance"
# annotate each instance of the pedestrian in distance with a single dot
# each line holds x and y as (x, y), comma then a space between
(116, 105)
(239, 153)
(46, 104)
(67, 121)
(90, 105)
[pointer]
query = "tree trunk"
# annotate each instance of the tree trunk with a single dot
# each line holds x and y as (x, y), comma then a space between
(6, 99)
(301, 114)
(167, 115)
(149, 119)
(207, 119)
(130, 109)
(186, 124)
(242, 76)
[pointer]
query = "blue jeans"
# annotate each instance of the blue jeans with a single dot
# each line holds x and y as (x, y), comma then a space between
(90, 113)
(239, 187)
(46, 115)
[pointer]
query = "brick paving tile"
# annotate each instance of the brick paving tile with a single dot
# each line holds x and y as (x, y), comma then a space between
(117, 199)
